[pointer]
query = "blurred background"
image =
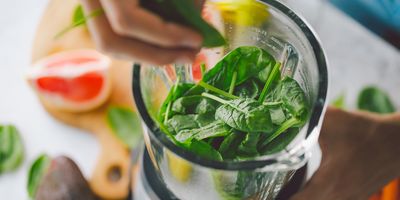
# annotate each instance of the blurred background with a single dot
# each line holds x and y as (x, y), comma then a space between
(361, 39)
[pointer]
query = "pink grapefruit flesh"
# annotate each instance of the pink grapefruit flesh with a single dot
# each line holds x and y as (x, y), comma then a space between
(75, 80)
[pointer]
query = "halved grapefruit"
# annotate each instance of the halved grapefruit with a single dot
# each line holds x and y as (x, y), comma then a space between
(76, 80)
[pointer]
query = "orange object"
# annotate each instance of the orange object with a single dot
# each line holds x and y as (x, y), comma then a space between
(391, 191)
(375, 197)
(75, 80)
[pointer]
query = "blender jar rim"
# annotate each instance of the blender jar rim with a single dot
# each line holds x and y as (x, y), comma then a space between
(261, 161)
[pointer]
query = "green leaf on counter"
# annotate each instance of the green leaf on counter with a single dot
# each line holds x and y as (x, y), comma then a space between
(36, 173)
(79, 19)
(375, 100)
(126, 125)
(11, 148)
(340, 101)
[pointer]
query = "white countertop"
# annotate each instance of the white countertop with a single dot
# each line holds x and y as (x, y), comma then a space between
(356, 58)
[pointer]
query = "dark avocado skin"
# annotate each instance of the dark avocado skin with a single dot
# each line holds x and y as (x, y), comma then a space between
(64, 181)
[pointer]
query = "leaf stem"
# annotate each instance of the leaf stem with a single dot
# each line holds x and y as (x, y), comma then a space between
(174, 88)
(271, 78)
(233, 83)
(286, 125)
(80, 22)
(166, 131)
(213, 97)
(277, 103)
(217, 90)
(203, 69)
(167, 111)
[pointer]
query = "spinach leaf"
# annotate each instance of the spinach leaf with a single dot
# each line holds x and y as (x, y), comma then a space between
(11, 148)
(204, 119)
(203, 149)
(175, 92)
(195, 104)
(216, 90)
(248, 89)
(36, 173)
(248, 146)
(293, 122)
(375, 100)
(241, 185)
(245, 115)
(186, 13)
(280, 142)
(277, 114)
(214, 129)
(246, 61)
(229, 146)
(294, 100)
(273, 76)
(182, 122)
(126, 125)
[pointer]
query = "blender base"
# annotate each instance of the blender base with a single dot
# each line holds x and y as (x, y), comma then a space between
(149, 186)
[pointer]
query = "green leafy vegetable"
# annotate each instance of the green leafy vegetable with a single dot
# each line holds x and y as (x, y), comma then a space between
(229, 146)
(79, 16)
(340, 102)
(245, 61)
(293, 98)
(280, 142)
(36, 172)
(195, 104)
(248, 89)
(186, 13)
(182, 122)
(79, 19)
(176, 91)
(375, 100)
(125, 125)
(277, 114)
(274, 74)
(243, 114)
(241, 108)
(248, 147)
(11, 148)
(214, 129)
(203, 149)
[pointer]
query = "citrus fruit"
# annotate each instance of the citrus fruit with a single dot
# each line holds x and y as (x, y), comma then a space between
(76, 80)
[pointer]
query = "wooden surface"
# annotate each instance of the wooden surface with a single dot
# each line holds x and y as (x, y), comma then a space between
(113, 154)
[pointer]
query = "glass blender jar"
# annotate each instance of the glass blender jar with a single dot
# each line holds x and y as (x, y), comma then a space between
(267, 24)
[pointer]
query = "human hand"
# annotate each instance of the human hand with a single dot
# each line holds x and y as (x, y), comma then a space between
(360, 154)
(130, 32)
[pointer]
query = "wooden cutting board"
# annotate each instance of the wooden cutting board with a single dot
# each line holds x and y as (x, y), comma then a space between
(114, 157)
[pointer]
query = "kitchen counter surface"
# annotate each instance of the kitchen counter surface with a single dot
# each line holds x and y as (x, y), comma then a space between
(356, 58)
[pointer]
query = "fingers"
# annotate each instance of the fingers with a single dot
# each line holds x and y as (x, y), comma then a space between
(110, 42)
(127, 18)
